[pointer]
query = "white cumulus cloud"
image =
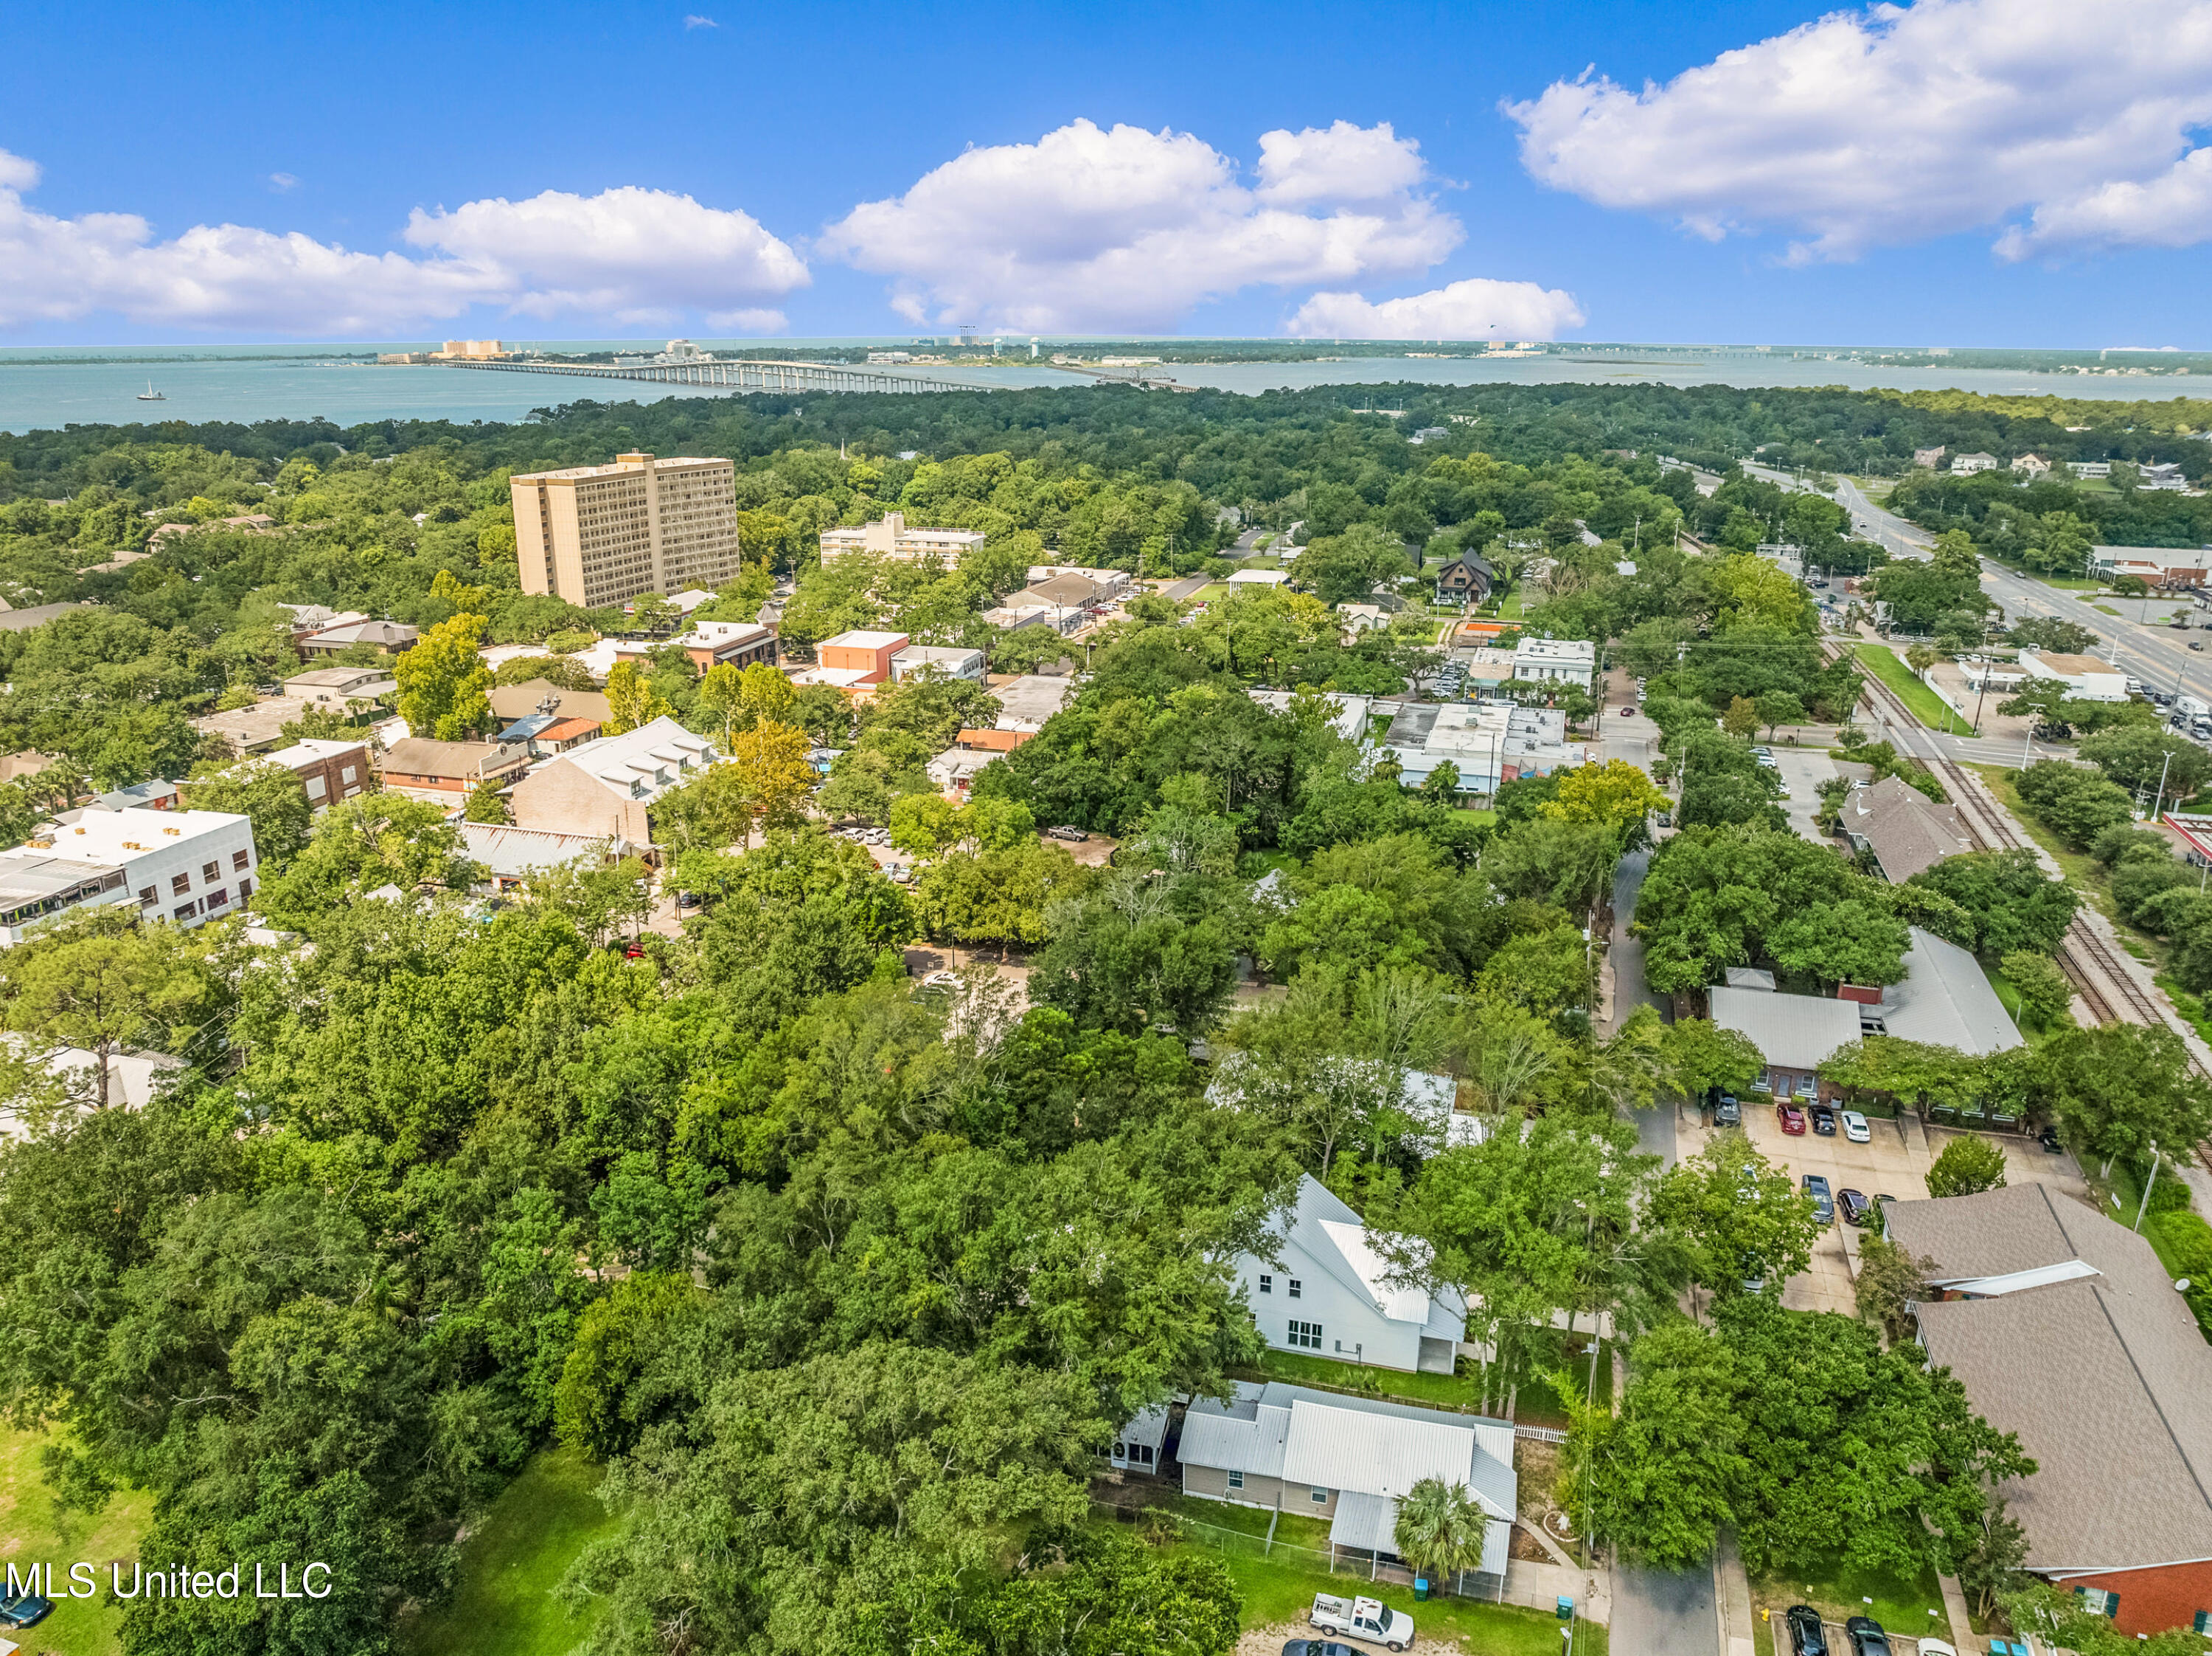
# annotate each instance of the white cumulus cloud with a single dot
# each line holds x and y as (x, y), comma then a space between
(1472, 309)
(1123, 229)
(626, 252)
(1895, 123)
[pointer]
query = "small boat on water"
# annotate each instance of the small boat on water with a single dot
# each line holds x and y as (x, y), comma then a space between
(150, 395)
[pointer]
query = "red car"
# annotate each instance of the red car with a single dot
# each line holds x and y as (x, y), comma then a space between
(1792, 1117)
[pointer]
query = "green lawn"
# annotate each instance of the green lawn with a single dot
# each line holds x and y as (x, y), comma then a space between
(1900, 1604)
(1220, 589)
(1280, 1587)
(503, 1605)
(29, 1530)
(1536, 1406)
(2008, 998)
(2103, 609)
(1927, 707)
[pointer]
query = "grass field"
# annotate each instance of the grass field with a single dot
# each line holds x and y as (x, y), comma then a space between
(510, 1565)
(29, 1530)
(1279, 1587)
(1536, 1406)
(1900, 1604)
(1927, 707)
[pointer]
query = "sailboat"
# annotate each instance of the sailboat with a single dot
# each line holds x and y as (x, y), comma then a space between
(150, 395)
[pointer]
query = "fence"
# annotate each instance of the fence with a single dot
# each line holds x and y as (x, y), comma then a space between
(1468, 1584)
(1539, 1434)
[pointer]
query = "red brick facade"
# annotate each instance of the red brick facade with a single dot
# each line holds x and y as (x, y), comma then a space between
(2152, 1600)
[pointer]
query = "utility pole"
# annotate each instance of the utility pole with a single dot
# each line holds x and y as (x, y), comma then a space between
(2161, 800)
(2143, 1206)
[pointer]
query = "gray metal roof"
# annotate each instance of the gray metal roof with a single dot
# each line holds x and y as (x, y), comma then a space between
(1148, 1426)
(1945, 1000)
(1796, 1031)
(1240, 1437)
(1341, 1449)
(1369, 1522)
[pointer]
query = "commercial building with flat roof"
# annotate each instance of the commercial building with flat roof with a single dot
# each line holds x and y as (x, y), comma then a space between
(188, 866)
(890, 536)
(597, 535)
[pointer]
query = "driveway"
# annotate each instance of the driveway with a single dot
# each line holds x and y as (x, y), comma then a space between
(1803, 770)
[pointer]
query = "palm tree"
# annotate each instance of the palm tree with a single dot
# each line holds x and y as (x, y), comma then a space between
(1439, 1529)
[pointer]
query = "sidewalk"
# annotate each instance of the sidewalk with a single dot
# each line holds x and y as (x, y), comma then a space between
(1732, 1589)
(1955, 1607)
(1541, 1586)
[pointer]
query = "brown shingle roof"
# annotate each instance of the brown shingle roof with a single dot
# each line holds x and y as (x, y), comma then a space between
(1906, 830)
(2106, 1377)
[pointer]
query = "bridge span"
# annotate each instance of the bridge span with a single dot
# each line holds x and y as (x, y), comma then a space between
(738, 374)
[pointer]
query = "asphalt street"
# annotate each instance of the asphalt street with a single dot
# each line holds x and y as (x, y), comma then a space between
(2158, 656)
(1664, 1612)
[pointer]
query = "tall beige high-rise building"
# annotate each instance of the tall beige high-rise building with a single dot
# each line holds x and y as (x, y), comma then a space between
(599, 534)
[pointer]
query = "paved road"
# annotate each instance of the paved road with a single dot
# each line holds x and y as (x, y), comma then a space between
(1664, 1612)
(1654, 1127)
(2158, 656)
(1186, 589)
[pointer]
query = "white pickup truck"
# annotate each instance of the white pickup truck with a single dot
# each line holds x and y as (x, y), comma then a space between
(1362, 1619)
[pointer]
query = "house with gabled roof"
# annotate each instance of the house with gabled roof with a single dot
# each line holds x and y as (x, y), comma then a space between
(1905, 831)
(605, 789)
(1349, 1461)
(1326, 1291)
(2065, 1329)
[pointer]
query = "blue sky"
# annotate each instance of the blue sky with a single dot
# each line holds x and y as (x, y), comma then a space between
(1979, 172)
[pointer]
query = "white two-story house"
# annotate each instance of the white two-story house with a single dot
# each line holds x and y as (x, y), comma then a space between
(1328, 1293)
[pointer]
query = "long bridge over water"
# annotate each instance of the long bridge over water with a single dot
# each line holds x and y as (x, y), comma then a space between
(738, 374)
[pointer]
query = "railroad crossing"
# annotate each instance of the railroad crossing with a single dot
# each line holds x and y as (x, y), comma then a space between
(737, 373)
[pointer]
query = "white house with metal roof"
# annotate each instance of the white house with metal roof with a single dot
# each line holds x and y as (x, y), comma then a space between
(1327, 1292)
(1348, 1460)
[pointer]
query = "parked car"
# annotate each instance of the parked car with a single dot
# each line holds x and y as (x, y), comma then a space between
(1628, 712)
(1824, 1120)
(688, 899)
(2049, 1138)
(1063, 832)
(1807, 1636)
(1363, 1618)
(634, 950)
(1854, 1127)
(26, 1610)
(1938, 1648)
(1791, 1118)
(1866, 1636)
(1317, 1647)
(1853, 1206)
(1824, 1204)
(1727, 1112)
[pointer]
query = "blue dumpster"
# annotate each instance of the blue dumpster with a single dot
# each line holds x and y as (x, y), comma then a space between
(1420, 1589)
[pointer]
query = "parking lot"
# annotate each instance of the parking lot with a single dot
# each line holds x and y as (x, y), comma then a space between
(1894, 1162)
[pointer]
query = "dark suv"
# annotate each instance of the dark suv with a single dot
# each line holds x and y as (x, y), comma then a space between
(1727, 1112)
(1807, 1636)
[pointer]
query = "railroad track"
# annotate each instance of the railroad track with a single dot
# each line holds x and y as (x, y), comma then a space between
(2112, 993)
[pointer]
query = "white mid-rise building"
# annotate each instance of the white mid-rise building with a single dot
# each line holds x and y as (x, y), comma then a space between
(187, 866)
(890, 536)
